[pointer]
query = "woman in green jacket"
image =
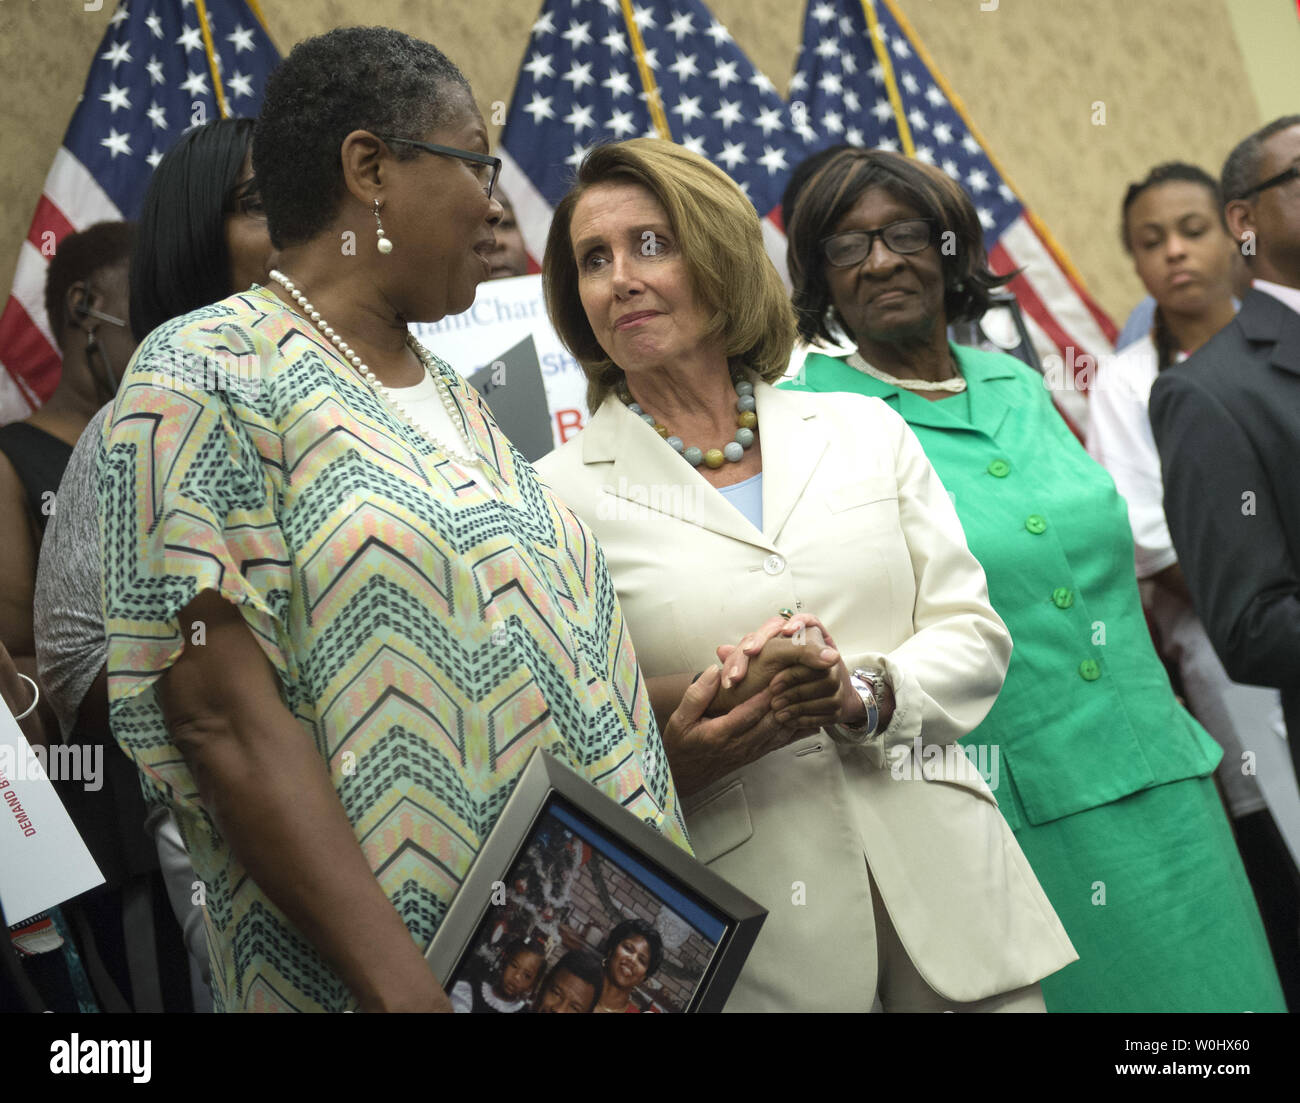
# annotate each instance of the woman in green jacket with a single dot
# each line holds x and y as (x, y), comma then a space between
(1104, 778)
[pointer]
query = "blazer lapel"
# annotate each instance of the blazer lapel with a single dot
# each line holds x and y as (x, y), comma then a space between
(1267, 320)
(644, 470)
(987, 409)
(794, 441)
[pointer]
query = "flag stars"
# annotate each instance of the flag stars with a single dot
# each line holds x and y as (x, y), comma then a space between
(833, 122)
(718, 33)
(191, 38)
(890, 145)
(882, 111)
(918, 120)
(115, 97)
(118, 52)
(620, 122)
(685, 67)
(155, 70)
(157, 116)
(910, 84)
(799, 82)
(154, 157)
(828, 47)
(925, 154)
(154, 24)
(848, 64)
(900, 48)
(616, 43)
(574, 159)
(831, 84)
(728, 113)
(846, 25)
(240, 84)
(579, 75)
(970, 145)
(544, 25)
(688, 107)
(733, 154)
(577, 34)
(681, 25)
(952, 169)
(540, 107)
(934, 96)
(579, 118)
(539, 65)
(986, 218)
(643, 18)
(824, 13)
(724, 73)
(116, 143)
(773, 160)
(853, 136)
(196, 84)
(942, 133)
(1007, 194)
(619, 84)
(769, 118)
(851, 102)
(119, 16)
(241, 38)
(977, 180)
(694, 144)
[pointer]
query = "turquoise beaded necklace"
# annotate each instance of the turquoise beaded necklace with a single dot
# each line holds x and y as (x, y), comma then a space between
(731, 452)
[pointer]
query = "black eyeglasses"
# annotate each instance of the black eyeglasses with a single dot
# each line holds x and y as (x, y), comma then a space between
(1293, 173)
(489, 166)
(907, 235)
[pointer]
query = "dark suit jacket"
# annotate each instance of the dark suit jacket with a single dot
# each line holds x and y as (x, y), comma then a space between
(1227, 423)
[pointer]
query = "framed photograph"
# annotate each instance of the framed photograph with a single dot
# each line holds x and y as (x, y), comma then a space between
(572, 896)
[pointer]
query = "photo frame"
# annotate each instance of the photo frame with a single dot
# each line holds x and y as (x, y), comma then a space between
(562, 868)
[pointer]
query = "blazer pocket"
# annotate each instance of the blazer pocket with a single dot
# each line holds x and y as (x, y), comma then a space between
(720, 823)
(861, 492)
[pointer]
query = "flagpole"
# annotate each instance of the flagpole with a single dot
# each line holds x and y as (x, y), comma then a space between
(887, 71)
(657, 115)
(256, 8)
(964, 115)
(211, 51)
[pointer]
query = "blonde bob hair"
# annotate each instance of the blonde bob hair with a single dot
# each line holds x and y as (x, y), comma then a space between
(718, 232)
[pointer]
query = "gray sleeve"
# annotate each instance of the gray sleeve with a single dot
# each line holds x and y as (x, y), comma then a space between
(67, 615)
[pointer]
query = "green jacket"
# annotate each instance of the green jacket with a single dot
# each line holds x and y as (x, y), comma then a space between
(1086, 715)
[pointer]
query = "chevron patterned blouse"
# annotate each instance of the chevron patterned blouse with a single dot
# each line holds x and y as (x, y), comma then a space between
(427, 635)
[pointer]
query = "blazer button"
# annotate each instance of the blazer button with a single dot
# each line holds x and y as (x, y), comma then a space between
(1090, 670)
(773, 564)
(1036, 524)
(1062, 598)
(999, 469)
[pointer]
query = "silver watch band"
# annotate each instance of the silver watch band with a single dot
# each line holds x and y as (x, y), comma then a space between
(865, 683)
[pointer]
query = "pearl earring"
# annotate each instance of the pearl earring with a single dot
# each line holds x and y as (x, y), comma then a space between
(384, 244)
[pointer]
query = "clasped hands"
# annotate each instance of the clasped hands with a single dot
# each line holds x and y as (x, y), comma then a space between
(782, 682)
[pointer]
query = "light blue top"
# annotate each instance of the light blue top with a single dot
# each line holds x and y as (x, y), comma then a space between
(747, 497)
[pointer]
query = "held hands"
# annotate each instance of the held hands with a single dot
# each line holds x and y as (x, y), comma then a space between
(798, 662)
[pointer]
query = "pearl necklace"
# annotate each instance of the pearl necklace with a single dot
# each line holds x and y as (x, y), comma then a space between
(731, 452)
(466, 455)
(956, 384)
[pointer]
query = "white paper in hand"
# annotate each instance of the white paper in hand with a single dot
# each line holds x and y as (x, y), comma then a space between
(42, 858)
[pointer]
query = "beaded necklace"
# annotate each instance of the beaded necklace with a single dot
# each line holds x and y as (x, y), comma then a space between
(731, 452)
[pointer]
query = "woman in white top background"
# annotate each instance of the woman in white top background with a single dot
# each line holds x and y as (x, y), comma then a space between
(1173, 228)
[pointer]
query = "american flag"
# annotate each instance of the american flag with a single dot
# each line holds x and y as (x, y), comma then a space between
(154, 75)
(581, 84)
(839, 93)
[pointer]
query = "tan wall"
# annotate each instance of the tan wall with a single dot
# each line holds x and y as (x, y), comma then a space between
(1169, 72)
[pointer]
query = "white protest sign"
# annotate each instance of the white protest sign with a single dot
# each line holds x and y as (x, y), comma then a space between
(503, 314)
(42, 858)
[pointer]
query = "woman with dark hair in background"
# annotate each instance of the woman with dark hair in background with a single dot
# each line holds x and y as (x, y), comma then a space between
(201, 234)
(634, 951)
(1105, 779)
(1174, 229)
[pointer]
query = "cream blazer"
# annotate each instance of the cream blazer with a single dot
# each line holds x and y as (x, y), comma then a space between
(858, 530)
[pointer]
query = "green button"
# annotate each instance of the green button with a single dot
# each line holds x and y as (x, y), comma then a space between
(999, 469)
(1036, 524)
(1089, 670)
(1062, 598)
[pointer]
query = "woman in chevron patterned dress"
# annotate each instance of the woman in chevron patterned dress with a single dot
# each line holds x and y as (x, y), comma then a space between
(342, 611)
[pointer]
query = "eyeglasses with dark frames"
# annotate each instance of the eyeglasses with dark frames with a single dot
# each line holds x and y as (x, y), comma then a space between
(491, 166)
(1284, 177)
(904, 237)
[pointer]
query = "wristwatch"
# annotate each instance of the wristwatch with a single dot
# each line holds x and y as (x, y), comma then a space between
(866, 683)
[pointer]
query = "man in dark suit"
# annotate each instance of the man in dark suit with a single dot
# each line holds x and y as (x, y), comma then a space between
(1227, 423)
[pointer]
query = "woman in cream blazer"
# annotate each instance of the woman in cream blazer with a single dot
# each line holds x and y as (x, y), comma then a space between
(852, 848)
(858, 530)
